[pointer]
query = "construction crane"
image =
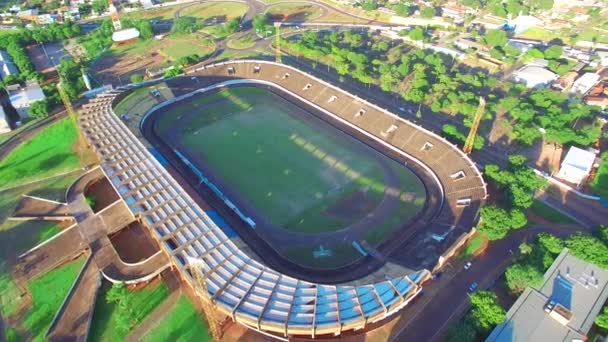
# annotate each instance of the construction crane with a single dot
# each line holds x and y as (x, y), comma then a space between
(114, 15)
(468, 145)
(74, 117)
(277, 43)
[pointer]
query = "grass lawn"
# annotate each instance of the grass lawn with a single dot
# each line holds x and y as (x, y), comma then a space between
(220, 10)
(294, 167)
(146, 300)
(242, 42)
(591, 35)
(474, 245)
(50, 152)
(18, 237)
(341, 255)
(295, 11)
(48, 292)
(539, 33)
(600, 181)
(548, 213)
(181, 324)
(161, 13)
(172, 47)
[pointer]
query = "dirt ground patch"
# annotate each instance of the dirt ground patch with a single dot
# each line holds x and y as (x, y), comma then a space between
(121, 62)
(103, 193)
(134, 243)
(353, 203)
(46, 56)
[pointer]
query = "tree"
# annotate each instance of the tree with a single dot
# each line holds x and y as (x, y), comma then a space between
(260, 23)
(525, 248)
(519, 180)
(184, 25)
(496, 222)
(519, 276)
(417, 33)
(461, 331)
(588, 248)
(99, 6)
(402, 9)
(136, 78)
(602, 319)
(369, 5)
(496, 38)
(427, 12)
(554, 52)
(38, 109)
(233, 25)
(486, 313)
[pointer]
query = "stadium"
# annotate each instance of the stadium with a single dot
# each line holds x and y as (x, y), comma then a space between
(295, 207)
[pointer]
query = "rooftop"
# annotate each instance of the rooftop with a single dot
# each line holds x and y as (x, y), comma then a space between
(562, 309)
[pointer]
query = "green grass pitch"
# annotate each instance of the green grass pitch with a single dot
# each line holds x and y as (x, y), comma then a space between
(293, 172)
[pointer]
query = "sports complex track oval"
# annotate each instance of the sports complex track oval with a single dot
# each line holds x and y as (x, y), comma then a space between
(264, 133)
(247, 290)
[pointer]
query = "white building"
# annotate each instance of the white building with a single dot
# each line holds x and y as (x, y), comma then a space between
(523, 23)
(603, 56)
(584, 83)
(4, 125)
(7, 68)
(576, 166)
(534, 76)
(22, 97)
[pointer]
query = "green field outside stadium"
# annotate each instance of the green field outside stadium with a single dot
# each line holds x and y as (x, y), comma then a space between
(295, 171)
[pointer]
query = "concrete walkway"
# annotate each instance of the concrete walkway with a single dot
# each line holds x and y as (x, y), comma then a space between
(90, 232)
(73, 320)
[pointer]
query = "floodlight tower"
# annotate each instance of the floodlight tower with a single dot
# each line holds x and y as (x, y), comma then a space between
(74, 117)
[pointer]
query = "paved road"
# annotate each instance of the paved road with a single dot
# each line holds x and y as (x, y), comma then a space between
(428, 320)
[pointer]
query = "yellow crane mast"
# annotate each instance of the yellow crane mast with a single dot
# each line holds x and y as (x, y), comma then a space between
(468, 145)
(74, 117)
(277, 43)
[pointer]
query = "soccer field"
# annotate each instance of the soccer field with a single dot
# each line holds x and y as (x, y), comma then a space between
(294, 170)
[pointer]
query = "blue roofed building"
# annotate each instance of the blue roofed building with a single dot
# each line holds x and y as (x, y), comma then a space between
(563, 308)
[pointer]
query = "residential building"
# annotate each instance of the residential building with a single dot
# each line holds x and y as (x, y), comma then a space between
(29, 15)
(523, 23)
(565, 82)
(534, 76)
(7, 68)
(4, 122)
(576, 166)
(563, 308)
(22, 97)
(454, 12)
(584, 83)
(603, 56)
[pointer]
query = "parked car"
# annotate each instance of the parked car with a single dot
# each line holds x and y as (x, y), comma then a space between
(468, 265)
(473, 287)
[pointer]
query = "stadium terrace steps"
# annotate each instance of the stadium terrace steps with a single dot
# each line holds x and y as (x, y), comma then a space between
(241, 287)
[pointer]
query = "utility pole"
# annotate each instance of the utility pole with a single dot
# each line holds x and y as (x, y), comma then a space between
(277, 43)
(468, 145)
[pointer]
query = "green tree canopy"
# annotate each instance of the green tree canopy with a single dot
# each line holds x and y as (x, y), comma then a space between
(486, 313)
(427, 12)
(520, 276)
(496, 222)
(496, 38)
(602, 319)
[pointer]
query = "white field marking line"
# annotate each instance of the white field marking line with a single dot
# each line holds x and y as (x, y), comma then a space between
(44, 199)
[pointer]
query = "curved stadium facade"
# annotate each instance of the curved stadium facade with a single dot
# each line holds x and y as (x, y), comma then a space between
(250, 292)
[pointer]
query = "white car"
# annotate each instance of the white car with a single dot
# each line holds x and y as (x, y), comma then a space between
(468, 265)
